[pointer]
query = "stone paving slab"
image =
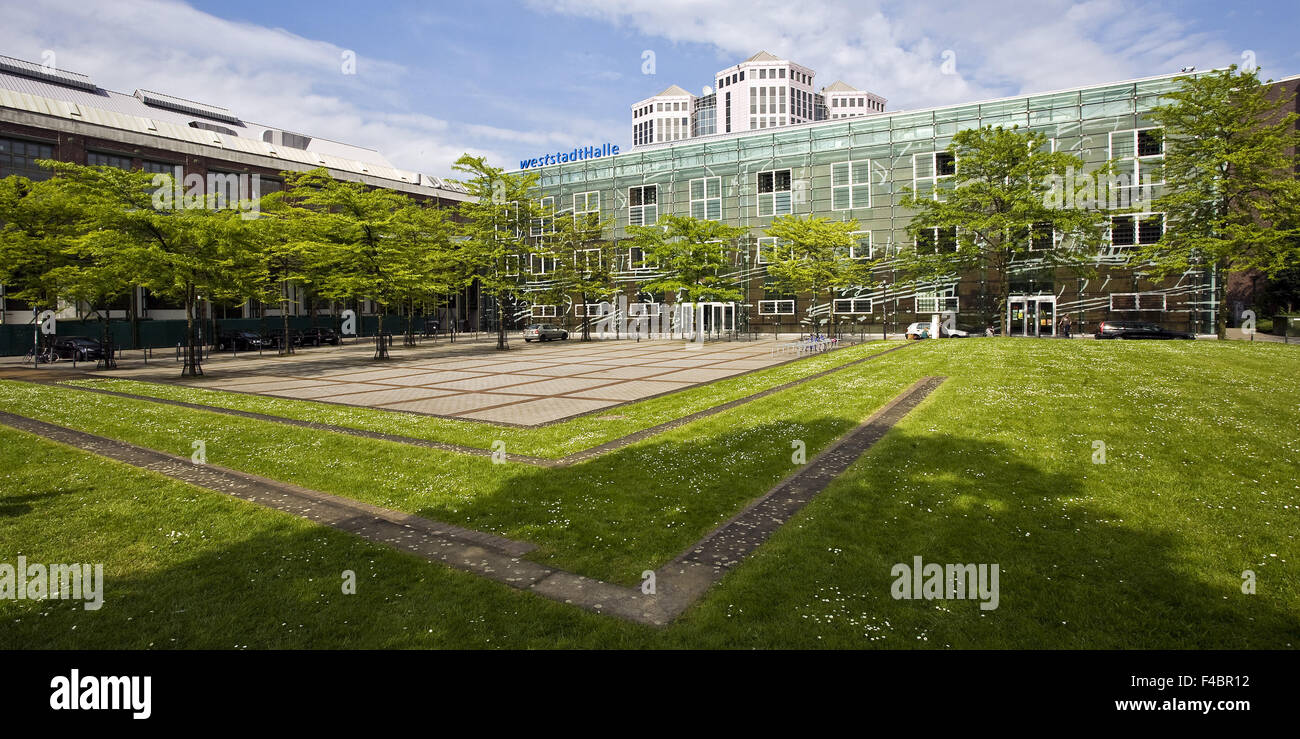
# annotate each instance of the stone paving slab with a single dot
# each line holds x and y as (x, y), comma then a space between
(451, 405)
(625, 391)
(387, 396)
(546, 409)
(698, 375)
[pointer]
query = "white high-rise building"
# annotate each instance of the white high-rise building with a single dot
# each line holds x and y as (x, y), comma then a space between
(763, 91)
(843, 101)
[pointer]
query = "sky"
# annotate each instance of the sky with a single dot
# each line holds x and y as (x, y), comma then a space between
(514, 80)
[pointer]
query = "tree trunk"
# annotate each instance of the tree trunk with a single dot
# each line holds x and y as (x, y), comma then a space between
(586, 318)
(192, 366)
(108, 362)
(381, 346)
(1004, 297)
(1221, 314)
(501, 322)
(286, 344)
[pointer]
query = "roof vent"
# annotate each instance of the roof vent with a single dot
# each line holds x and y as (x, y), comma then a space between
(46, 73)
(170, 102)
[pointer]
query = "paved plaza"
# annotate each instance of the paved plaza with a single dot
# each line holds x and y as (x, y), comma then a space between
(528, 385)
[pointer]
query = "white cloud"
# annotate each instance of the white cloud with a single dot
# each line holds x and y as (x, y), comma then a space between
(896, 49)
(264, 75)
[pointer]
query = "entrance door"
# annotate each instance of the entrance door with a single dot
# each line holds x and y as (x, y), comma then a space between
(1032, 315)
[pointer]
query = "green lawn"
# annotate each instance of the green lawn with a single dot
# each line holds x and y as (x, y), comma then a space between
(1147, 550)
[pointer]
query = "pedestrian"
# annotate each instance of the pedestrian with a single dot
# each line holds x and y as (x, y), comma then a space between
(1066, 326)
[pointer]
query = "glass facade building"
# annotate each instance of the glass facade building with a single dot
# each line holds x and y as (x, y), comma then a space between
(859, 169)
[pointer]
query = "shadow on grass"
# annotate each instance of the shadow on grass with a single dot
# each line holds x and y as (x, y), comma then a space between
(281, 588)
(1074, 572)
(21, 505)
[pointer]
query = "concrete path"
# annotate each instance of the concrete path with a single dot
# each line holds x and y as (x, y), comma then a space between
(678, 584)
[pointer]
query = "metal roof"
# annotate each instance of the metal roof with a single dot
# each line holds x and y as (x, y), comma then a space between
(170, 117)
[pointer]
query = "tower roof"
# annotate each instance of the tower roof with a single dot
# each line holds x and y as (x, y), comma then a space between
(840, 86)
(673, 90)
(763, 56)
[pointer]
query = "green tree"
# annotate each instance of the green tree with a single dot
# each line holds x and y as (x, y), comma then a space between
(356, 241)
(35, 227)
(497, 221)
(691, 254)
(813, 256)
(999, 209)
(181, 251)
(1231, 196)
(586, 262)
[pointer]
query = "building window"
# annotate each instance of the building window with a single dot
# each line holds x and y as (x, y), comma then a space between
(158, 167)
(544, 311)
(643, 205)
(1136, 155)
(851, 185)
(19, 157)
(932, 173)
(99, 159)
(1137, 230)
(861, 246)
(586, 203)
(541, 264)
(1137, 301)
(774, 193)
(767, 249)
(706, 198)
(776, 307)
(852, 305)
(587, 260)
(545, 223)
(1041, 237)
(937, 301)
(512, 265)
(936, 241)
(636, 260)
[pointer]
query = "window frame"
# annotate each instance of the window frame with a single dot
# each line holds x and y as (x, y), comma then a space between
(778, 312)
(772, 195)
(852, 185)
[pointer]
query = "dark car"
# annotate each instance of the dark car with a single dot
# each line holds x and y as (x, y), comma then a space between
(276, 336)
(1137, 330)
(544, 332)
(317, 336)
(79, 348)
(242, 341)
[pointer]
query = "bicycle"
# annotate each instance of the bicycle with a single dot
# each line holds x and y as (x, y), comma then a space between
(45, 356)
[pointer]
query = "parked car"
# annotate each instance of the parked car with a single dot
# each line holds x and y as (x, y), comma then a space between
(317, 335)
(544, 332)
(1137, 330)
(242, 341)
(79, 348)
(914, 332)
(276, 337)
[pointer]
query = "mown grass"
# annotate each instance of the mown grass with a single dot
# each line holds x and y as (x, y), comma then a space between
(612, 517)
(1147, 550)
(554, 441)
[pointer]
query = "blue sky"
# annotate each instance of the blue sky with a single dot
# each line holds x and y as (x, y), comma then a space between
(513, 80)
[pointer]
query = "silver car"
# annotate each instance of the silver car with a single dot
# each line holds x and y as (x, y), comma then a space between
(544, 332)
